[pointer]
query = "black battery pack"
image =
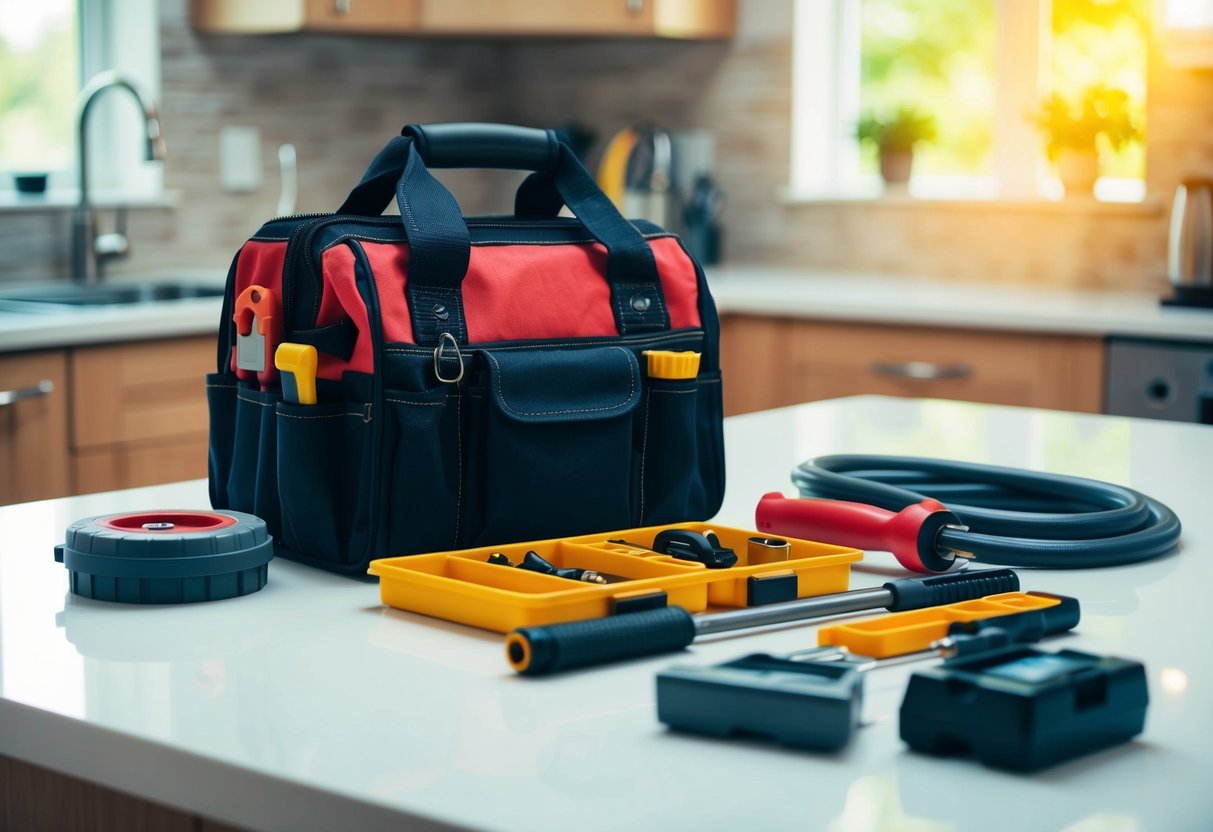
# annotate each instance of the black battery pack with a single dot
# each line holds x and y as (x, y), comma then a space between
(1024, 709)
(809, 705)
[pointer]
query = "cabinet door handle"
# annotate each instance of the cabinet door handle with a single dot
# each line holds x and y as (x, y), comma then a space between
(921, 370)
(40, 389)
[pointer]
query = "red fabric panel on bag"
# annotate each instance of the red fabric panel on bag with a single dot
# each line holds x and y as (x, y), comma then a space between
(678, 282)
(341, 300)
(261, 263)
(525, 292)
(520, 292)
(389, 264)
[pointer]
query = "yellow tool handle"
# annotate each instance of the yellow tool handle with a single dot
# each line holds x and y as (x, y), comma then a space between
(297, 364)
(669, 364)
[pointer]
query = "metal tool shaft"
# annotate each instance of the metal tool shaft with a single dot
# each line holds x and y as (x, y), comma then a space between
(537, 651)
(854, 601)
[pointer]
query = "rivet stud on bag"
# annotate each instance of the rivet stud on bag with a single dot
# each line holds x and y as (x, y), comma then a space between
(640, 303)
(440, 312)
(444, 339)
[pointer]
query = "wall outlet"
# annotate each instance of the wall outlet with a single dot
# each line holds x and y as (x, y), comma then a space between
(239, 158)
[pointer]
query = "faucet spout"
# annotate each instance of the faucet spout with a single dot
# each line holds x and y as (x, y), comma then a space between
(87, 257)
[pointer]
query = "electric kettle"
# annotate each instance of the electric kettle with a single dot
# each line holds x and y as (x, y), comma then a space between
(1190, 243)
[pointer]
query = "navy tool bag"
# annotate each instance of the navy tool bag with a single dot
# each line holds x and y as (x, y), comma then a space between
(479, 380)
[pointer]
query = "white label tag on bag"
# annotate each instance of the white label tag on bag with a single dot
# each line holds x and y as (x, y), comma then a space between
(250, 351)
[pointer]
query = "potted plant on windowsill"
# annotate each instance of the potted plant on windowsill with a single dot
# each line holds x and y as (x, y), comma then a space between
(895, 137)
(1072, 133)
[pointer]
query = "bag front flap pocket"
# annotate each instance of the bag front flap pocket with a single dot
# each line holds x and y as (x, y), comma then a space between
(564, 385)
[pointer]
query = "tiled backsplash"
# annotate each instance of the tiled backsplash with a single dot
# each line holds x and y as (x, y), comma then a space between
(337, 99)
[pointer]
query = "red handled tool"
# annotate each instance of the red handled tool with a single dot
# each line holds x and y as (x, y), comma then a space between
(258, 332)
(912, 534)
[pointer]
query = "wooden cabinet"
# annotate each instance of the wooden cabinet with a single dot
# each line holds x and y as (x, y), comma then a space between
(32, 797)
(33, 426)
(706, 19)
(362, 16)
(771, 362)
(101, 418)
(690, 19)
(139, 413)
(239, 17)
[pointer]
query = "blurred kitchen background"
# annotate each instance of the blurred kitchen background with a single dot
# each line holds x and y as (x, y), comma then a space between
(336, 97)
(932, 183)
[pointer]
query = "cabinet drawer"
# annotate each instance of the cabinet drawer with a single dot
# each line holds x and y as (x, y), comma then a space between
(144, 463)
(754, 359)
(704, 19)
(140, 392)
(33, 427)
(1030, 370)
(362, 16)
(529, 17)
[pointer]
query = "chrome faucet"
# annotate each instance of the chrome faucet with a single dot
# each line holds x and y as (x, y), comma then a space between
(90, 251)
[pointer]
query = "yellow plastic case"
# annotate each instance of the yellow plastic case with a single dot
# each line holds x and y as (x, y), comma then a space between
(899, 633)
(463, 587)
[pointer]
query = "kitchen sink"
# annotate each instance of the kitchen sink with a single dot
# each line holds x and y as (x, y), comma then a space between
(124, 294)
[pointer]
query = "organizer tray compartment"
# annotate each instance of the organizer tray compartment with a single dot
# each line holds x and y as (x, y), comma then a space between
(462, 586)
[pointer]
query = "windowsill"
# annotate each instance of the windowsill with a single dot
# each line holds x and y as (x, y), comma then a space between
(1189, 48)
(1149, 207)
(14, 202)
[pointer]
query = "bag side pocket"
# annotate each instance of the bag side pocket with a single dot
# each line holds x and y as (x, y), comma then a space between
(681, 450)
(423, 488)
(669, 451)
(252, 483)
(710, 429)
(325, 471)
(221, 406)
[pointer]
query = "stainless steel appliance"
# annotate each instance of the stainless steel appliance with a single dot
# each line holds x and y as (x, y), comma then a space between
(1170, 380)
(1190, 245)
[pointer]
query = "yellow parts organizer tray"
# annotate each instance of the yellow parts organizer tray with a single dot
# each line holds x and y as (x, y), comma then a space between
(464, 587)
(907, 632)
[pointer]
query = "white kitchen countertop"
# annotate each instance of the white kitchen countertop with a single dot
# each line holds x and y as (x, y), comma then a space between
(308, 705)
(76, 327)
(843, 296)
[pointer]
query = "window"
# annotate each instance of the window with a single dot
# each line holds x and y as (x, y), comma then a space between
(47, 49)
(981, 70)
(39, 77)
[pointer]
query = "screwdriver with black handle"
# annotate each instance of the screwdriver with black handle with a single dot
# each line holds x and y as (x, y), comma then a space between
(539, 651)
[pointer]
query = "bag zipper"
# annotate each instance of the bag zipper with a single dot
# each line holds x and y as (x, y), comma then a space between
(366, 287)
(307, 264)
(631, 341)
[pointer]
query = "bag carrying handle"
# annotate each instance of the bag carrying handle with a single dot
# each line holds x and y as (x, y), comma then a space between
(464, 145)
(471, 145)
(478, 145)
(439, 242)
(505, 146)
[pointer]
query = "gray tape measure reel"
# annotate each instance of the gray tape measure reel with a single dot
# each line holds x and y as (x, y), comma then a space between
(166, 557)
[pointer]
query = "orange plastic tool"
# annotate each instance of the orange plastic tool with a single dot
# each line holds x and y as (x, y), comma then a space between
(258, 332)
(909, 632)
